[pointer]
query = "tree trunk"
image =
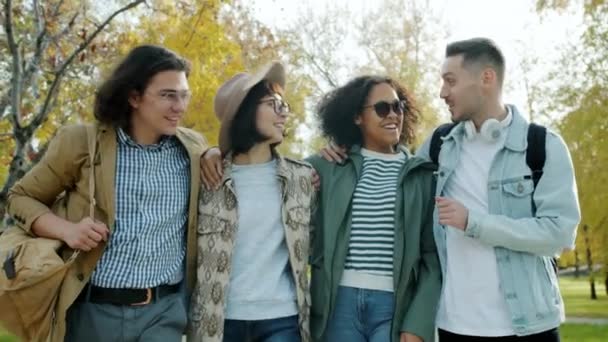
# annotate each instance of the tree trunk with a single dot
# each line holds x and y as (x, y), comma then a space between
(589, 262)
(606, 282)
(577, 262)
(23, 71)
(592, 283)
(18, 167)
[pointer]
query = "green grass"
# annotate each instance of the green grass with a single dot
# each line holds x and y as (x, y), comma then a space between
(4, 337)
(583, 333)
(577, 299)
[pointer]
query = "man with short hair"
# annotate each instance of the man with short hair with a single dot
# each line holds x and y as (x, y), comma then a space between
(498, 224)
(139, 250)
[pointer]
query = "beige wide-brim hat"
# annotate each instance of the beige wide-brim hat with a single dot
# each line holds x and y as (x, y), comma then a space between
(231, 94)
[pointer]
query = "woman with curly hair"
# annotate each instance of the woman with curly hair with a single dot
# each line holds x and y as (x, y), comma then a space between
(375, 270)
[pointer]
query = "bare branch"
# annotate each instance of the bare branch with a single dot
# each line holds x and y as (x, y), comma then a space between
(5, 98)
(67, 28)
(198, 20)
(326, 74)
(57, 8)
(37, 21)
(15, 92)
(33, 64)
(39, 118)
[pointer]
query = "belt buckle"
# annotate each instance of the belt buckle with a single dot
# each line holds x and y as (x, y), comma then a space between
(148, 298)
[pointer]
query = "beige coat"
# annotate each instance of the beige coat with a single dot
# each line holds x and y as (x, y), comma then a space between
(217, 230)
(65, 167)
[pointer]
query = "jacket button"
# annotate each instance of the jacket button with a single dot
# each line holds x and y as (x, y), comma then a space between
(441, 173)
(80, 276)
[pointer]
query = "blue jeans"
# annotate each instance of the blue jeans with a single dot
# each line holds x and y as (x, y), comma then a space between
(361, 315)
(284, 329)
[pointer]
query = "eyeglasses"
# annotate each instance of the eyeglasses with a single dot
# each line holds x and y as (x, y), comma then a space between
(383, 108)
(279, 106)
(174, 96)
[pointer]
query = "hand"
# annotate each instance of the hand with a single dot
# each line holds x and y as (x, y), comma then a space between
(452, 213)
(212, 169)
(86, 234)
(407, 337)
(333, 153)
(316, 180)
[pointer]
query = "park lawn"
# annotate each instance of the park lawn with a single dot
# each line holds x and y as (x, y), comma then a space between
(583, 333)
(577, 300)
(5, 337)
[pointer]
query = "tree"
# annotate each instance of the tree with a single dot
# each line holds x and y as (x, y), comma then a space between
(584, 131)
(397, 37)
(191, 28)
(220, 40)
(582, 91)
(51, 49)
(259, 45)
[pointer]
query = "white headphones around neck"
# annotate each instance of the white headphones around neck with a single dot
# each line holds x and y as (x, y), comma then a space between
(490, 131)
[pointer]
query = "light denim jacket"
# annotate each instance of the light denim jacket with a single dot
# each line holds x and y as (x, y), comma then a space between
(524, 239)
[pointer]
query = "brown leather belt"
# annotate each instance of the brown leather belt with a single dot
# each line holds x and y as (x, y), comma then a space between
(102, 295)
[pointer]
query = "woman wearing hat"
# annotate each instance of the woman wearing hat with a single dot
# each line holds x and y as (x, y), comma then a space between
(252, 282)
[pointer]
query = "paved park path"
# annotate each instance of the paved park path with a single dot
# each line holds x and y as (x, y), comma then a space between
(587, 320)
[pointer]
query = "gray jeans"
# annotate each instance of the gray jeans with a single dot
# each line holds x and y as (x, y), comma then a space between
(163, 320)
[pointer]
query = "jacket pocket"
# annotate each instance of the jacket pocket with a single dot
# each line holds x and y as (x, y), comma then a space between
(517, 198)
(554, 297)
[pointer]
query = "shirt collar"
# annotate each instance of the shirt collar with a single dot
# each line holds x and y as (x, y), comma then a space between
(125, 139)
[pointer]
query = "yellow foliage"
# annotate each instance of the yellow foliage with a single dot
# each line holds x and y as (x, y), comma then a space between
(6, 148)
(584, 130)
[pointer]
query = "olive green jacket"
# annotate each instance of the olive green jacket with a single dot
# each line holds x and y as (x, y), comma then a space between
(416, 273)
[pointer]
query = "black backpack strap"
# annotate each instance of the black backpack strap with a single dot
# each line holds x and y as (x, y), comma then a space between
(436, 141)
(536, 153)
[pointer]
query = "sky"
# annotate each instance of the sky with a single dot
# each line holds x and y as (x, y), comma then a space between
(514, 25)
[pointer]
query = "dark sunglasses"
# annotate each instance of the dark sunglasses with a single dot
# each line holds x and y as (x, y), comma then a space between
(383, 108)
(279, 106)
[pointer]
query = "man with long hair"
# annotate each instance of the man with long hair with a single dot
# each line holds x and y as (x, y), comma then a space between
(139, 250)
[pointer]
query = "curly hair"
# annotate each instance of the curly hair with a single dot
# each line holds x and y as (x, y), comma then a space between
(133, 74)
(339, 108)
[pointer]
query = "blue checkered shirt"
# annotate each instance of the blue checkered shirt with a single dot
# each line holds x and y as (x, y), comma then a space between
(148, 246)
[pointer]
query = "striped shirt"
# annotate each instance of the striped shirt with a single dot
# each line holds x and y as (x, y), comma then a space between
(152, 186)
(369, 262)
